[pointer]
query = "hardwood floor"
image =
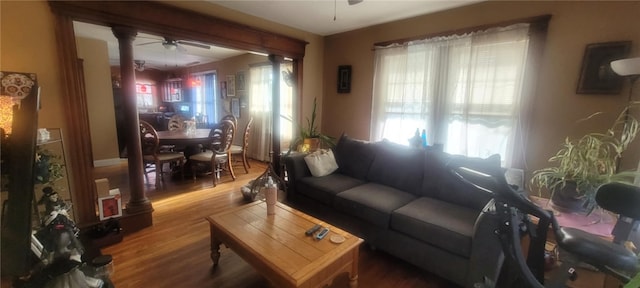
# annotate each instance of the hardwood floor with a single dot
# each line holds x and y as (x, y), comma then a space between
(174, 252)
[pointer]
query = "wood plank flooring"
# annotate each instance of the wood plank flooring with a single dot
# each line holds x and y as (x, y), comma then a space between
(174, 252)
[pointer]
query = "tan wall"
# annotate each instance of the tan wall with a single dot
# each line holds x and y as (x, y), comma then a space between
(97, 80)
(556, 106)
(28, 44)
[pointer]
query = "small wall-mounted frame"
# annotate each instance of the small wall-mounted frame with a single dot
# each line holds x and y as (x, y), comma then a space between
(596, 76)
(110, 206)
(223, 90)
(235, 107)
(240, 81)
(231, 85)
(344, 79)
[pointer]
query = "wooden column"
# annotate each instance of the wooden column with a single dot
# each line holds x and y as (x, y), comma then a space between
(275, 103)
(138, 203)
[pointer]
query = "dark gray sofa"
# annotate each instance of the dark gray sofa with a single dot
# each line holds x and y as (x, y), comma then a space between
(406, 202)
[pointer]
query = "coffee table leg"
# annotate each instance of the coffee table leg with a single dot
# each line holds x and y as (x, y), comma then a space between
(215, 249)
(353, 277)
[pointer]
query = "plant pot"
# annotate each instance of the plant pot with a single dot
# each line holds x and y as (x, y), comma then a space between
(567, 199)
(312, 143)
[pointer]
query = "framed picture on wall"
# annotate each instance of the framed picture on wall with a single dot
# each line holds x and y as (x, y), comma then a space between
(235, 107)
(344, 79)
(223, 90)
(596, 76)
(240, 81)
(231, 85)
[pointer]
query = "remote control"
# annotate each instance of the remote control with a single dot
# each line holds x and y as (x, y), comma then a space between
(313, 230)
(322, 233)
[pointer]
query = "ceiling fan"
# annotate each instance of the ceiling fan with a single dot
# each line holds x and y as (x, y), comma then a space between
(171, 44)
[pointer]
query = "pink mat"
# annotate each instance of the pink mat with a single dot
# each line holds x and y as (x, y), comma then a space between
(599, 222)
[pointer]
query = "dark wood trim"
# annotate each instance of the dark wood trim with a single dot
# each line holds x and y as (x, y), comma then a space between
(151, 17)
(174, 22)
(537, 20)
(77, 120)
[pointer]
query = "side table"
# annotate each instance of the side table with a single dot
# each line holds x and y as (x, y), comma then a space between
(600, 223)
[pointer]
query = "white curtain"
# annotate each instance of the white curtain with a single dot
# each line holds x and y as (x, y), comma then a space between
(260, 91)
(465, 91)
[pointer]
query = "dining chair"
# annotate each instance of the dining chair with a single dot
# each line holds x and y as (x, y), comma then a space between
(242, 149)
(231, 118)
(152, 156)
(218, 153)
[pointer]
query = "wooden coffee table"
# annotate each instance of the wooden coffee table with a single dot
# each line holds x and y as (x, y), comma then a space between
(277, 247)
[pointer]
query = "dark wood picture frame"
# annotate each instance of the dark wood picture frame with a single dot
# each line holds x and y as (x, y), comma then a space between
(596, 76)
(344, 79)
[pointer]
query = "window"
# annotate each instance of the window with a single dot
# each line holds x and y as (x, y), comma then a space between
(203, 98)
(464, 90)
(260, 91)
(144, 95)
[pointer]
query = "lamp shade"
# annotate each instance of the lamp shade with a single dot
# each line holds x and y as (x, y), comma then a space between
(626, 67)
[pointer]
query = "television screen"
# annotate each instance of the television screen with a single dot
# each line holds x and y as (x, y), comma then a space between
(184, 108)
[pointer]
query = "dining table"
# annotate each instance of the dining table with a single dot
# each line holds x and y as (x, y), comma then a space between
(182, 138)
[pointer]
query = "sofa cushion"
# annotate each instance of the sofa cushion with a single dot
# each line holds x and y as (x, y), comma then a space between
(372, 202)
(397, 166)
(436, 222)
(435, 165)
(453, 190)
(325, 188)
(353, 157)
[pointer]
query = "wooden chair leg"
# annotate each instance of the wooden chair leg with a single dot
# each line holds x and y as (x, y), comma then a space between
(181, 163)
(244, 162)
(245, 156)
(144, 171)
(193, 170)
(230, 166)
(158, 174)
(215, 172)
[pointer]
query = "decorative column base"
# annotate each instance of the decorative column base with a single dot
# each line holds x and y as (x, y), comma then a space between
(136, 216)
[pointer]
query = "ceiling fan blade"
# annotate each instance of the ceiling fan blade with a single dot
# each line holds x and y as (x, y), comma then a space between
(194, 44)
(154, 42)
(180, 48)
(354, 2)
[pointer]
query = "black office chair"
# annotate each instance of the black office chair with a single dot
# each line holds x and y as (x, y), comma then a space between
(576, 246)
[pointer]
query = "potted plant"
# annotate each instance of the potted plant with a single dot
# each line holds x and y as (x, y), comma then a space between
(310, 137)
(585, 163)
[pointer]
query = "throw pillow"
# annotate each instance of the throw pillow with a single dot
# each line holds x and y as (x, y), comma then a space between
(321, 163)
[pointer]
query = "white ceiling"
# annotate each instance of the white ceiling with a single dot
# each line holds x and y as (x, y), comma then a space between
(155, 55)
(317, 16)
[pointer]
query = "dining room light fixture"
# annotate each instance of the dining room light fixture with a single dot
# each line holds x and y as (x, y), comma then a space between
(170, 45)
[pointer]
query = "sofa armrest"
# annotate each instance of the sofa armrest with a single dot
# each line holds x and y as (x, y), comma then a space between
(296, 169)
(486, 251)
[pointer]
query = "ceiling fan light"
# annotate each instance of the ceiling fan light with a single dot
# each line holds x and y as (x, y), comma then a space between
(169, 46)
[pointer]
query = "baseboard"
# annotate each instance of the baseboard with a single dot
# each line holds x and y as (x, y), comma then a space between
(108, 162)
